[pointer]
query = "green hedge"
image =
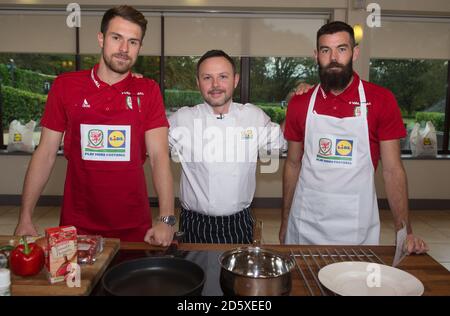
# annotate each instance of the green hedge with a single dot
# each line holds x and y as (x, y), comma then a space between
(276, 114)
(25, 79)
(21, 105)
(179, 98)
(268, 104)
(435, 117)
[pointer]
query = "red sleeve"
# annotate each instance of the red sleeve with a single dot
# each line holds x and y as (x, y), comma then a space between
(55, 117)
(155, 112)
(390, 123)
(294, 129)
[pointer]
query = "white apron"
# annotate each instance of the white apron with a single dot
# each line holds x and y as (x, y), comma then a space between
(335, 201)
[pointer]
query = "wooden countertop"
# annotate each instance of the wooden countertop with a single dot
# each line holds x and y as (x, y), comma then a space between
(39, 284)
(434, 276)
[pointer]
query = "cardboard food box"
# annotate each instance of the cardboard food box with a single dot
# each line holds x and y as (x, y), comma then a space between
(62, 251)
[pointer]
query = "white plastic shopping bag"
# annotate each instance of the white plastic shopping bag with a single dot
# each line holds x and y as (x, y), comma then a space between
(423, 141)
(21, 136)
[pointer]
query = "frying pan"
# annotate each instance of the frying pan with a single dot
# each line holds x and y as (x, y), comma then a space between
(163, 276)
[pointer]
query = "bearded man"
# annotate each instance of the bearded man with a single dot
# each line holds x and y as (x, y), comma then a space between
(336, 134)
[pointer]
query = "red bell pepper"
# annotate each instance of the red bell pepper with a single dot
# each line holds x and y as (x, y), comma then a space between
(26, 259)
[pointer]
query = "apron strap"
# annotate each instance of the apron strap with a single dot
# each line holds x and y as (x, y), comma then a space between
(362, 99)
(312, 100)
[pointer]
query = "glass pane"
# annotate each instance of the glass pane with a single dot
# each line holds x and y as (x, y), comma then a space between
(89, 61)
(148, 66)
(26, 80)
(420, 87)
(272, 80)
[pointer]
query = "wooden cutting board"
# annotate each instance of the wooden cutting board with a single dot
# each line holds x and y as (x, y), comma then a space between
(90, 275)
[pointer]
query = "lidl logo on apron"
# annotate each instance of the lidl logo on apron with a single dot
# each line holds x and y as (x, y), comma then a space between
(344, 147)
(335, 151)
(115, 148)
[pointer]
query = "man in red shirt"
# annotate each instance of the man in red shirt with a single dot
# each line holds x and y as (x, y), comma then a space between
(336, 133)
(110, 120)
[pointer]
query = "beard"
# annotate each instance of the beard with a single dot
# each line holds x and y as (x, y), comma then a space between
(334, 79)
(217, 102)
(120, 66)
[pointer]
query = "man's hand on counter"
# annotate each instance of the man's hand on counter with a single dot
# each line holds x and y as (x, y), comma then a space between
(25, 228)
(160, 234)
(415, 244)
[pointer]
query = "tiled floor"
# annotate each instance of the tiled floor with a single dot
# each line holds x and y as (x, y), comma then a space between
(433, 226)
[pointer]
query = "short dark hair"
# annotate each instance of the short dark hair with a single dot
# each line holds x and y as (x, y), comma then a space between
(216, 53)
(334, 27)
(126, 12)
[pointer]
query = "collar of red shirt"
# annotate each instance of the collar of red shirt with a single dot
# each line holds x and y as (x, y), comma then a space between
(120, 86)
(348, 94)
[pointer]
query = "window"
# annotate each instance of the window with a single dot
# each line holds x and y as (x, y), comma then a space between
(420, 87)
(25, 82)
(88, 61)
(148, 66)
(180, 84)
(30, 59)
(273, 78)
(416, 71)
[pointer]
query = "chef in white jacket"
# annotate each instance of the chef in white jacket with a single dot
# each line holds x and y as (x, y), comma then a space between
(217, 143)
(336, 133)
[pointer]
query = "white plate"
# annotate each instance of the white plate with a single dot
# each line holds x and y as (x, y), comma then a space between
(369, 279)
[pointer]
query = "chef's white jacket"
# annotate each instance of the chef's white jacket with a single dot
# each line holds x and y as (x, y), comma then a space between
(219, 154)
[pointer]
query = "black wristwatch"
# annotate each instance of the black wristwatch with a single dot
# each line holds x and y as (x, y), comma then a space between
(170, 220)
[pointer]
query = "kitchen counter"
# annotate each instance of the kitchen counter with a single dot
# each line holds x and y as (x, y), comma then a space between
(435, 278)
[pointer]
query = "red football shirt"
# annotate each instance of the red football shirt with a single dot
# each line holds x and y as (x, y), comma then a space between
(113, 204)
(383, 113)
(70, 91)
